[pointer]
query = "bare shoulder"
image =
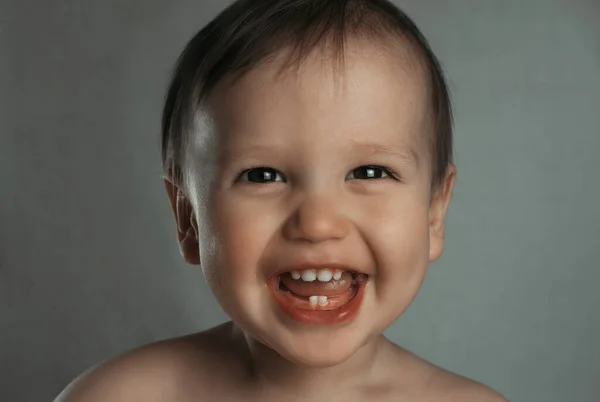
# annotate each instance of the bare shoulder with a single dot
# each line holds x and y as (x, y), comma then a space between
(433, 383)
(162, 371)
(454, 387)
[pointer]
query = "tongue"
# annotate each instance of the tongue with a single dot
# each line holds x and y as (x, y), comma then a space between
(315, 288)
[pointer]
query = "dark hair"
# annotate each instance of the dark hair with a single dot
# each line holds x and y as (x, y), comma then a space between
(249, 32)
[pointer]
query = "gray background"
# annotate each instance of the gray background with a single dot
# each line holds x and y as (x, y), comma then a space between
(88, 260)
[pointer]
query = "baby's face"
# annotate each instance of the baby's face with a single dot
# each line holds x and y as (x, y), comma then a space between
(312, 172)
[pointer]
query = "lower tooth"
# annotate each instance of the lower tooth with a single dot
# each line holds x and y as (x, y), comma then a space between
(320, 300)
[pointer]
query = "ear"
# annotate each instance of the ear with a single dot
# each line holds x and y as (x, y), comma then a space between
(185, 219)
(437, 214)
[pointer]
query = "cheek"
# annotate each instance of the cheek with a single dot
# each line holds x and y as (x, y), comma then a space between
(241, 233)
(400, 239)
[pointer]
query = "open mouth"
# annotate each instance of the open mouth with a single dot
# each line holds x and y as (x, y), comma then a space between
(319, 296)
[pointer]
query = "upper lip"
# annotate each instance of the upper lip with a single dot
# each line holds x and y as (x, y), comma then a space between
(320, 265)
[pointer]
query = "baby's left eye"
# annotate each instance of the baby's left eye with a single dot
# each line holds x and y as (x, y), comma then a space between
(369, 172)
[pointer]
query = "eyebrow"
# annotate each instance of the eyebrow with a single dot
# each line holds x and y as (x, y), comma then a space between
(408, 154)
(259, 151)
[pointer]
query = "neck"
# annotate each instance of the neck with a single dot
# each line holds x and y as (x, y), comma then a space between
(270, 370)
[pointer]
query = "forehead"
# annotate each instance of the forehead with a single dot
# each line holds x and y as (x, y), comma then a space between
(379, 95)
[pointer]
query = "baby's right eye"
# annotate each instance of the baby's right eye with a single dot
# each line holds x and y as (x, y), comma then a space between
(261, 175)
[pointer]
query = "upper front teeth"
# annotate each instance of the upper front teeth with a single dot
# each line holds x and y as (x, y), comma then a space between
(309, 275)
(323, 275)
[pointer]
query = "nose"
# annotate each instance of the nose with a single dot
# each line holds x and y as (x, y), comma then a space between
(317, 219)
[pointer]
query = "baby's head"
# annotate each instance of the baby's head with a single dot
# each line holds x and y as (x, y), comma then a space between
(303, 139)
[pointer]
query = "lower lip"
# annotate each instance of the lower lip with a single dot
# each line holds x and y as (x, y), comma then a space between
(340, 315)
